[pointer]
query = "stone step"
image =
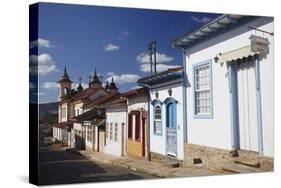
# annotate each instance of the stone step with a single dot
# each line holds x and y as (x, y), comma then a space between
(171, 163)
(251, 163)
(237, 168)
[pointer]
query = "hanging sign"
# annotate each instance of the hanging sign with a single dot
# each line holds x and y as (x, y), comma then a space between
(259, 44)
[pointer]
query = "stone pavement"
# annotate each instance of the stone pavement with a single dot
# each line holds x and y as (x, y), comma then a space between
(152, 168)
(57, 166)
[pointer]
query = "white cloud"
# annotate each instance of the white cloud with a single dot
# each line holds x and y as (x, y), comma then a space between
(84, 85)
(160, 58)
(55, 85)
(201, 20)
(111, 47)
(41, 43)
(45, 64)
(123, 78)
(50, 85)
(110, 73)
(159, 68)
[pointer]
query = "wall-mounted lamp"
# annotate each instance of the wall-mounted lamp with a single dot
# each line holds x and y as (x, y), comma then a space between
(217, 58)
(156, 94)
(170, 92)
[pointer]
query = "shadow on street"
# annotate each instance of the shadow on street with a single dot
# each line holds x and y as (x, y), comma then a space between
(62, 167)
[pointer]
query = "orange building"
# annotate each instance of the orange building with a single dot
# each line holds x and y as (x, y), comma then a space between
(137, 123)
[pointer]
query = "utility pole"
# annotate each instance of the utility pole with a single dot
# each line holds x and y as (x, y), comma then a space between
(154, 51)
(150, 56)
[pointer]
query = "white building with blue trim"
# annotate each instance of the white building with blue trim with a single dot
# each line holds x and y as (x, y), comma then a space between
(228, 87)
(165, 135)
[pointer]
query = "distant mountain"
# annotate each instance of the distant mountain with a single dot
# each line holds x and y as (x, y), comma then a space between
(51, 108)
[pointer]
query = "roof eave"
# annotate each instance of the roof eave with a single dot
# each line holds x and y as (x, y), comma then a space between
(190, 39)
(161, 78)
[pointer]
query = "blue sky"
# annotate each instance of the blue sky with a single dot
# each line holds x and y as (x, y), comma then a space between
(112, 40)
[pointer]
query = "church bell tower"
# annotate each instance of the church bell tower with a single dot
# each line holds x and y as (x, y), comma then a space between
(64, 85)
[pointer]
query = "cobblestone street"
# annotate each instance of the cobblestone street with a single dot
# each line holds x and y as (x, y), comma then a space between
(60, 167)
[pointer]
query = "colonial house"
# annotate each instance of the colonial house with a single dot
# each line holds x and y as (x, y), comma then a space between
(61, 131)
(165, 110)
(116, 125)
(84, 134)
(71, 105)
(88, 122)
(95, 127)
(137, 129)
(228, 88)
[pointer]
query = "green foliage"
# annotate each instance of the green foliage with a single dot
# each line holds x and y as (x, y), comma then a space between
(49, 118)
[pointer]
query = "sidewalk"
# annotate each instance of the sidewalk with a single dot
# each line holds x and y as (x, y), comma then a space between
(152, 168)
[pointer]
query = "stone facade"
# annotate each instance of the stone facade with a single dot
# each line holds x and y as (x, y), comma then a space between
(216, 158)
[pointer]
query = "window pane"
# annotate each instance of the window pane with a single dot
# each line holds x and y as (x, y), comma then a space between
(157, 112)
(110, 132)
(202, 89)
(158, 127)
(115, 132)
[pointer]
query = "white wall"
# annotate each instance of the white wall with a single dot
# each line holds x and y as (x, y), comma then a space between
(57, 134)
(158, 142)
(138, 103)
(116, 115)
(216, 132)
(78, 108)
(88, 142)
(77, 126)
(64, 119)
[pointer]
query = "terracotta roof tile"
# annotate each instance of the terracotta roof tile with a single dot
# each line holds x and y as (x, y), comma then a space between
(101, 100)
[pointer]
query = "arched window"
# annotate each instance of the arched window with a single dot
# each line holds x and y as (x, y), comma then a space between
(171, 110)
(157, 116)
(157, 119)
(65, 91)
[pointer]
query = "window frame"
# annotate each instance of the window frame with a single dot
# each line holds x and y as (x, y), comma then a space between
(111, 131)
(157, 103)
(208, 115)
(63, 112)
(106, 130)
(116, 132)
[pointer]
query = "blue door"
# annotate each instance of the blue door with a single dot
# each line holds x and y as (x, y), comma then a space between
(171, 129)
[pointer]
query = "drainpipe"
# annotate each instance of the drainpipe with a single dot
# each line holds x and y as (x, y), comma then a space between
(148, 122)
